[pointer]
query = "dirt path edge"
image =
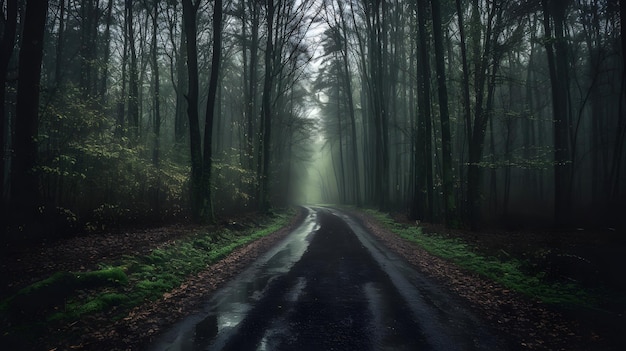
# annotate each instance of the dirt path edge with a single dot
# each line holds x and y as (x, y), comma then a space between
(145, 322)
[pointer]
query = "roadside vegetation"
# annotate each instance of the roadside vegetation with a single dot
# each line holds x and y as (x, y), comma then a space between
(512, 273)
(116, 287)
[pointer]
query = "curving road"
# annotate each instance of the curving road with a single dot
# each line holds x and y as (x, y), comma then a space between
(330, 286)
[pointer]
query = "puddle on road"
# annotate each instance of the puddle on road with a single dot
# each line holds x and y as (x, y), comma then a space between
(406, 310)
(280, 331)
(222, 314)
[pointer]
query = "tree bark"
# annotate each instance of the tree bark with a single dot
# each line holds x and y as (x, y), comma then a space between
(157, 87)
(107, 54)
(180, 124)
(467, 114)
(251, 104)
(133, 83)
(58, 75)
(86, 46)
(264, 201)
(190, 11)
(348, 87)
(365, 115)
(157, 107)
(384, 114)
(377, 43)
(342, 170)
(121, 104)
(24, 180)
(6, 51)
(424, 180)
(620, 133)
(207, 206)
(481, 118)
(559, 83)
(448, 194)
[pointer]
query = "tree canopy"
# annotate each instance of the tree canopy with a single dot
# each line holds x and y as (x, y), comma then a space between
(468, 113)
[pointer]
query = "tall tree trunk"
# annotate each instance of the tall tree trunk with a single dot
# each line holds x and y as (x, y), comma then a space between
(620, 133)
(157, 86)
(252, 82)
(121, 104)
(556, 63)
(107, 54)
(207, 206)
(529, 123)
(467, 114)
(564, 145)
(348, 87)
(244, 153)
(190, 11)
(6, 51)
(24, 180)
(157, 107)
(180, 123)
(342, 171)
(481, 118)
(412, 107)
(251, 103)
(446, 145)
(424, 180)
(384, 113)
(263, 197)
(133, 83)
(86, 46)
(93, 35)
(58, 75)
(377, 43)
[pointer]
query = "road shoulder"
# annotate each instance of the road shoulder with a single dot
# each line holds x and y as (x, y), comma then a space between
(529, 324)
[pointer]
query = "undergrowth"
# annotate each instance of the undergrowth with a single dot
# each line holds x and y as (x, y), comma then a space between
(510, 272)
(117, 287)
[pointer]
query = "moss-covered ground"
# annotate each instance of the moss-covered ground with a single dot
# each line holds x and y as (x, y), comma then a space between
(116, 287)
(514, 273)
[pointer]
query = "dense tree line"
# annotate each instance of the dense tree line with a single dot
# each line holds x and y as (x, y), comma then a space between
(465, 112)
(119, 112)
(474, 112)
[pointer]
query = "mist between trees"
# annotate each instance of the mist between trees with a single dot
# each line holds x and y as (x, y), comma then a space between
(469, 113)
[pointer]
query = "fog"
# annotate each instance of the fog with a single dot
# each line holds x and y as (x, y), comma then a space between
(470, 114)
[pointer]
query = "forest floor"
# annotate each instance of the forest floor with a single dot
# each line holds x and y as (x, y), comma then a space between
(22, 266)
(591, 258)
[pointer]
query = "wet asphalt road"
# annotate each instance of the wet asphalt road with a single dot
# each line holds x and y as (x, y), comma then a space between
(330, 286)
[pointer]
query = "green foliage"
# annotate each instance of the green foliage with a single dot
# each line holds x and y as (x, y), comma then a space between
(62, 281)
(89, 166)
(525, 157)
(66, 296)
(511, 273)
(233, 182)
(41, 297)
(75, 308)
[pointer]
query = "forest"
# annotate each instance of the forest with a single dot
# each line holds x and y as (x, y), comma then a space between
(470, 113)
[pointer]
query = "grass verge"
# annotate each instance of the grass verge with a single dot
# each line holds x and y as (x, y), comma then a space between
(116, 287)
(510, 273)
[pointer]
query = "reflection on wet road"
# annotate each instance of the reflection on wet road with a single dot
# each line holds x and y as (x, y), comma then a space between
(330, 286)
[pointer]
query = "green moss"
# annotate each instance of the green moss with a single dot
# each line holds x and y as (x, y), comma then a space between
(108, 275)
(510, 273)
(113, 299)
(76, 308)
(67, 296)
(54, 299)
